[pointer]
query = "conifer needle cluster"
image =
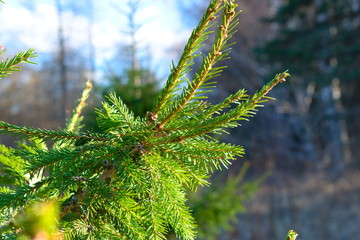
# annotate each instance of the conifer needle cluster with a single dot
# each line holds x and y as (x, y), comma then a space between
(130, 180)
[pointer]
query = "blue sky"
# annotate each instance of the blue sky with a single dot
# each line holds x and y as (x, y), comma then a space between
(33, 24)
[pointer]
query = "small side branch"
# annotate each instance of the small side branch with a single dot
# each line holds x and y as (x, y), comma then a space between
(10, 65)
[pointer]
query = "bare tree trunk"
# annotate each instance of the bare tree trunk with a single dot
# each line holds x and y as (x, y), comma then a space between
(61, 61)
(90, 9)
(336, 94)
(133, 28)
(334, 146)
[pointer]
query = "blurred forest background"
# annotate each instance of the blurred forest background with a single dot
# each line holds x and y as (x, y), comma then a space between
(307, 140)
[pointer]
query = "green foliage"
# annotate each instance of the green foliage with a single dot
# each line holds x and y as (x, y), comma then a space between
(10, 65)
(217, 207)
(138, 98)
(130, 180)
(76, 118)
(39, 222)
(292, 235)
(11, 168)
(317, 41)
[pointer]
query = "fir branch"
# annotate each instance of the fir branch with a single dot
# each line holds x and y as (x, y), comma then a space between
(170, 196)
(117, 210)
(234, 98)
(78, 229)
(129, 181)
(19, 198)
(9, 65)
(279, 78)
(58, 159)
(28, 132)
(198, 36)
(11, 168)
(116, 115)
(73, 124)
(8, 159)
(292, 235)
(227, 120)
(126, 203)
(206, 112)
(155, 221)
(192, 175)
(179, 170)
(128, 228)
(210, 152)
(45, 135)
(206, 71)
(123, 111)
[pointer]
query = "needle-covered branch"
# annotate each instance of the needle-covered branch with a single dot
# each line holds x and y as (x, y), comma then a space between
(129, 180)
(11, 65)
(47, 135)
(76, 118)
(195, 42)
(214, 121)
(207, 70)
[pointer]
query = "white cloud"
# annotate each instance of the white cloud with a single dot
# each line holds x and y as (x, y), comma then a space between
(23, 28)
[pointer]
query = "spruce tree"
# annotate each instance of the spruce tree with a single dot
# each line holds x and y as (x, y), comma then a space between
(215, 207)
(129, 181)
(319, 44)
(319, 38)
(136, 83)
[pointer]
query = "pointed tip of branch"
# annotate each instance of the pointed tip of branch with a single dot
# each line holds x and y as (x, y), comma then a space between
(88, 84)
(281, 77)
